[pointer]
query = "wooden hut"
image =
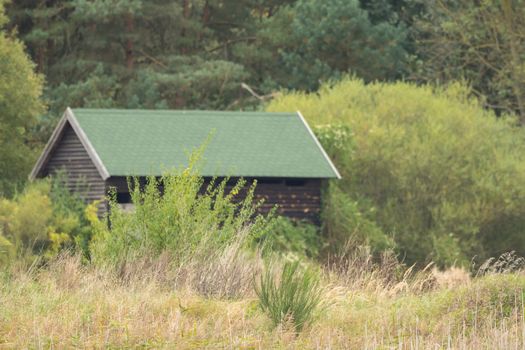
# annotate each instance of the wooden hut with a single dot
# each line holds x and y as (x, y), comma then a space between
(99, 148)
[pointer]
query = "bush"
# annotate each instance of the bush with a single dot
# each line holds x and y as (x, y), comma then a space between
(295, 297)
(26, 219)
(41, 220)
(346, 222)
(296, 237)
(173, 215)
(445, 176)
(71, 212)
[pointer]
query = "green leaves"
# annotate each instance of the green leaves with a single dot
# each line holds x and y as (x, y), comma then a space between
(446, 177)
(180, 215)
(289, 237)
(196, 54)
(40, 221)
(104, 9)
(20, 90)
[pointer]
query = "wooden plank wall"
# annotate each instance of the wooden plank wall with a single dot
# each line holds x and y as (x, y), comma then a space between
(295, 198)
(82, 176)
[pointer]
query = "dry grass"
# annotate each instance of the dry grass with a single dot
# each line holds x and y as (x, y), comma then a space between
(147, 305)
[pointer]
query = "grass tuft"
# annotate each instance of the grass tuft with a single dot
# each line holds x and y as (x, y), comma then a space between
(294, 297)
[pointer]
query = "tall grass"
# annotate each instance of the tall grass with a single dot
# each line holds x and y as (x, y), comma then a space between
(70, 305)
(225, 274)
(293, 297)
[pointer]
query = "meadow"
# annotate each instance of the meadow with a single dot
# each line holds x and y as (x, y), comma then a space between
(364, 305)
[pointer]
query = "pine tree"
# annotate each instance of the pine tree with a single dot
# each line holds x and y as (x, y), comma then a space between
(335, 37)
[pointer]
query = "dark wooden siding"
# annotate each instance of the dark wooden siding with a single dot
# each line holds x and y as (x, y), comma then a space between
(82, 176)
(294, 198)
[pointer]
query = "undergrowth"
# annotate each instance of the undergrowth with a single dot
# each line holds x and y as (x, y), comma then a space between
(178, 214)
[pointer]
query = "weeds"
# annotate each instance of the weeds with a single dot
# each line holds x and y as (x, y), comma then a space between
(506, 263)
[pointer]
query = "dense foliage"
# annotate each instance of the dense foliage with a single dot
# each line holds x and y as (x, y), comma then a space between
(195, 54)
(20, 104)
(329, 38)
(481, 42)
(42, 220)
(435, 172)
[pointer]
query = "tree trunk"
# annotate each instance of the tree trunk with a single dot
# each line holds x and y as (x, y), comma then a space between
(185, 15)
(205, 18)
(517, 67)
(130, 26)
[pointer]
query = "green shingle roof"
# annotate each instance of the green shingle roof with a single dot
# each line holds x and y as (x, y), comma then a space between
(248, 144)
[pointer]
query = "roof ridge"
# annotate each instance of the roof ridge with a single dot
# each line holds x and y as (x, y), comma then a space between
(181, 111)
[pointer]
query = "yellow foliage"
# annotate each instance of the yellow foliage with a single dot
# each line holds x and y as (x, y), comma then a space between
(6, 249)
(30, 223)
(91, 212)
(99, 229)
(57, 241)
(26, 218)
(65, 223)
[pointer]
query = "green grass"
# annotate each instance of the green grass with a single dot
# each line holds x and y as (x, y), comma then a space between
(294, 297)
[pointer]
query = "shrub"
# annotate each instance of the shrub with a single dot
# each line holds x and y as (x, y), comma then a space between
(177, 214)
(446, 177)
(41, 220)
(296, 237)
(26, 218)
(346, 222)
(294, 297)
(338, 141)
(70, 213)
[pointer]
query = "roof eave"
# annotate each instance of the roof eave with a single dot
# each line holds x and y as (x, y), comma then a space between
(68, 117)
(50, 145)
(87, 144)
(336, 172)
